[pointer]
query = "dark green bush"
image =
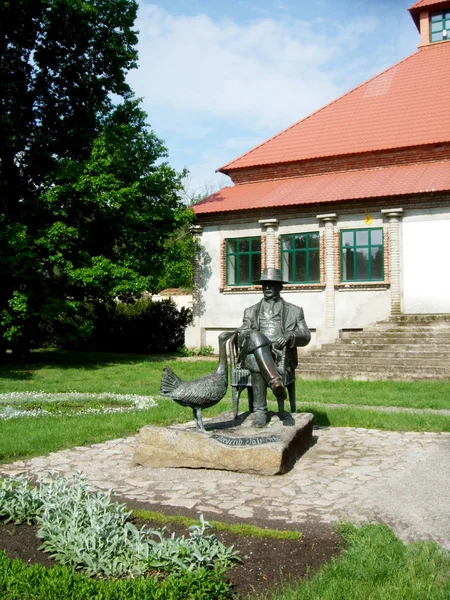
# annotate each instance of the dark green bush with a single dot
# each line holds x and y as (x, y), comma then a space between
(23, 582)
(141, 327)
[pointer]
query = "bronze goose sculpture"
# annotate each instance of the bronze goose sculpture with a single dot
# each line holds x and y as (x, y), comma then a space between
(202, 392)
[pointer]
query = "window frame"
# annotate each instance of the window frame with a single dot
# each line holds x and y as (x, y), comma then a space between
(237, 254)
(295, 252)
(356, 246)
(444, 20)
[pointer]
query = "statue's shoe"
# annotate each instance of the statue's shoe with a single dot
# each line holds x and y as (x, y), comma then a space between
(260, 418)
(277, 387)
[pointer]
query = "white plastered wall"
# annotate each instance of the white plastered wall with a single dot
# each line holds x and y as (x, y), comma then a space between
(426, 253)
(221, 311)
(357, 308)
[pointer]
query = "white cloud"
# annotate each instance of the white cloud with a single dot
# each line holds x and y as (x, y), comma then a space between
(263, 74)
(215, 88)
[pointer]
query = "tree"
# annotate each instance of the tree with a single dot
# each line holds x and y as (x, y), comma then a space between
(178, 257)
(86, 203)
(181, 247)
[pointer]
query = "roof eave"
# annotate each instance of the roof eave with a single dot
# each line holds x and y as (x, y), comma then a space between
(415, 10)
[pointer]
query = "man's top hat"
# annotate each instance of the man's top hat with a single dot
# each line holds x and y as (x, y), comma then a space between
(270, 275)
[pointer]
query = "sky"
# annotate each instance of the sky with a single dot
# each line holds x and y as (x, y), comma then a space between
(217, 78)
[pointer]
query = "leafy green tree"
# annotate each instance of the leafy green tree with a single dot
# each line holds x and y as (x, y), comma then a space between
(180, 248)
(86, 202)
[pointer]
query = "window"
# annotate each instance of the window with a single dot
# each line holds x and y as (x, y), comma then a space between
(243, 260)
(439, 26)
(300, 257)
(362, 256)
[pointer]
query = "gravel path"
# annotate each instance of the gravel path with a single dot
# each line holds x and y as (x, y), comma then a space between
(348, 474)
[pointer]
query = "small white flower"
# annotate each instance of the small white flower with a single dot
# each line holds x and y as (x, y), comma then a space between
(9, 411)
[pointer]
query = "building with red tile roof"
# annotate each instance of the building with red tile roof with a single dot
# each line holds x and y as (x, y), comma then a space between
(352, 203)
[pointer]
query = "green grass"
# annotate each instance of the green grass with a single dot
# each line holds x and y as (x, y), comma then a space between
(376, 565)
(27, 437)
(56, 371)
(19, 581)
(409, 394)
(372, 419)
(239, 529)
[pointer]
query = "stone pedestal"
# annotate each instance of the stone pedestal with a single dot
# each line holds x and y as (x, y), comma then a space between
(228, 445)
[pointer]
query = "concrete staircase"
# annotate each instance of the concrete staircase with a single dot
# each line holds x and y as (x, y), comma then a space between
(409, 347)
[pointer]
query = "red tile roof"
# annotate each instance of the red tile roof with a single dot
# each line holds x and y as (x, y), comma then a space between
(331, 187)
(406, 105)
(426, 5)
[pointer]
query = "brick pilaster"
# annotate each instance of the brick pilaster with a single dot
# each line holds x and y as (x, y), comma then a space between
(270, 245)
(394, 215)
(330, 268)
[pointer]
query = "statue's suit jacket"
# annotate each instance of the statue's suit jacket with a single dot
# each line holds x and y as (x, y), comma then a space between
(292, 320)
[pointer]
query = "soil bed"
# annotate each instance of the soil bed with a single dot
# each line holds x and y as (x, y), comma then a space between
(266, 563)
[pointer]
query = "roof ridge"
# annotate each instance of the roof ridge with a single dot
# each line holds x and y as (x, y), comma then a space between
(221, 169)
(339, 171)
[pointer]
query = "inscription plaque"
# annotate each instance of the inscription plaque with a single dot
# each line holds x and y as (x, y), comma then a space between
(246, 441)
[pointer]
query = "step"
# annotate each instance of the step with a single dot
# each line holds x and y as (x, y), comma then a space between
(386, 352)
(419, 318)
(394, 339)
(316, 374)
(421, 349)
(392, 331)
(371, 365)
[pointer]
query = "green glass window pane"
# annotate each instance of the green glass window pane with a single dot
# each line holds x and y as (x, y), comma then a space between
(437, 26)
(436, 37)
(244, 245)
(286, 266)
(314, 240)
(244, 269)
(348, 273)
(376, 236)
(300, 240)
(300, 267)
(231, 270)
(436, 17)
(287, 243)
(362, 238)
(377, 263)
(232, 245)
(256, 267)
(362, 264)
(256, 245)
(314, 266)
(347, 238)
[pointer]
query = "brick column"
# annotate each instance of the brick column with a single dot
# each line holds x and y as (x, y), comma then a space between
(330, 332)
(270, 225)
(394, 215)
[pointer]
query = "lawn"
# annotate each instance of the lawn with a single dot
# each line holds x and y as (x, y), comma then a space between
(375, 565)
(101, 373)
(57, 371)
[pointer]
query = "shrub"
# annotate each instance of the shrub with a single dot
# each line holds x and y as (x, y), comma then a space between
(141, 327)
(89, 531)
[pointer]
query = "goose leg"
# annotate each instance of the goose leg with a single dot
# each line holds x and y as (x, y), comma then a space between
(198, 419)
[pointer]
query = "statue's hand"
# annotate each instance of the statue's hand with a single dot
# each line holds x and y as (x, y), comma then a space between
(283, 340)
(280, 343)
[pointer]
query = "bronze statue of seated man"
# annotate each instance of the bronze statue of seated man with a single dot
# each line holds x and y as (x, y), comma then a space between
(269, 336)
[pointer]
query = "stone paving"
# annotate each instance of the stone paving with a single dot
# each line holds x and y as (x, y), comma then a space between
(348, 474)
